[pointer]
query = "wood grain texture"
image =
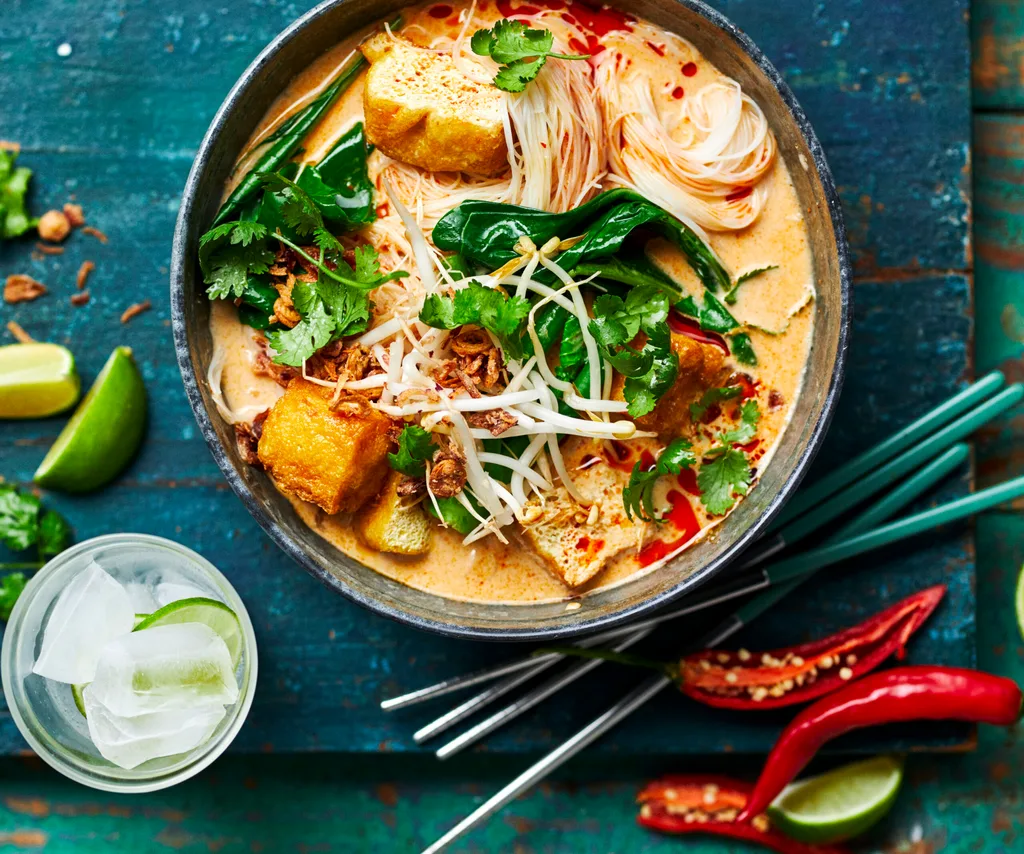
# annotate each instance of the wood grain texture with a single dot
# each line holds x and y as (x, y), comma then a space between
(116, 124)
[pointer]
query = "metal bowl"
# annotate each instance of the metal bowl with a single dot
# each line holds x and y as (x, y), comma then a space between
(736, 55)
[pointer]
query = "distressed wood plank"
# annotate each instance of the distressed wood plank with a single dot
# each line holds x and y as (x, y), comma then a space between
(999, 237)
(110, 125)
(998, 69)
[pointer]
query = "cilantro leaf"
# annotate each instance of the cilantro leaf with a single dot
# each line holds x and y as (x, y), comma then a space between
(618, 321)
(520, 50)
(54, 534)
(638, 495)
(746, 277)
(19, 518)
(11, 587)
(415, 446)
(721, 478)
(229, 253)
(742, 349)
(711, 397)
(514, 77)
(14, 219)
(504, 316)
(293, 346)
(642, 393)
(712, 315)
(750, 415)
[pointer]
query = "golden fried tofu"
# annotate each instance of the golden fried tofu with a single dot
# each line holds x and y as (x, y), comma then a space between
(336, 460)
(701, 366)
(388, 525)
(420, 109)
(575, 541)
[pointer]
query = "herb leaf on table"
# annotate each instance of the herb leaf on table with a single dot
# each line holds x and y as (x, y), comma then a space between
(14, 218)
(11, 587)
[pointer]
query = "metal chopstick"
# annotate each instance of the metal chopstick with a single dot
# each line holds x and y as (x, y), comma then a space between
(885, 508)
(621, 710)
(946, 411)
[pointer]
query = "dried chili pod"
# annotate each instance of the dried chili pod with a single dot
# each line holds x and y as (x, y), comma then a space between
(701, 804)
(785, 677)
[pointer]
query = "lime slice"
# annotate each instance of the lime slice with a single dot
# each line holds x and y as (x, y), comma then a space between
(1020, 601)
(76, 692)
(840, 804)
(211, 613)
(103, 434)
(36, 380)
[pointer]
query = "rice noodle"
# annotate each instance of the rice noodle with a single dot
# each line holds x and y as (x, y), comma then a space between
(704, 160)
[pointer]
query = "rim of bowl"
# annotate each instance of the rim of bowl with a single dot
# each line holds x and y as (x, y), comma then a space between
(109, 781)
(629, 612)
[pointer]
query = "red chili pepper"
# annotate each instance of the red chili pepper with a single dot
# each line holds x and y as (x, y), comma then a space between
(691, 804)
(900, 694)
(784, 677)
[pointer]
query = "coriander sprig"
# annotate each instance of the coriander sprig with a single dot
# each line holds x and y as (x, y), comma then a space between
(638, 495)
(415, 447)
(520, 51)
(501, 315)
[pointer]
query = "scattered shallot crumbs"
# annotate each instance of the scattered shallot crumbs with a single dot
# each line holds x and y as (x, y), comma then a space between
(53, 226)
(81, 298)
(83, 274)
(22, 288)
(74, 215)
(46, 249)
(135, 310)
(20, 335)
(94, 232)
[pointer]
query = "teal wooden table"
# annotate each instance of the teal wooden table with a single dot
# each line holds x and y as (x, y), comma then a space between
(116, 123)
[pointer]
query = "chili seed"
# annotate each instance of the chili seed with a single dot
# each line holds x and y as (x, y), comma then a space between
(645, 810)
(827, 662)
(670, 794)
(766, 660)
(798, 661)
(759, 694)
(731, 677)
(705, 664)
(787, 685)
(760, 823)
(851, 660)
(846, 674)
(777, 691)
(743, 655)
(723, 658)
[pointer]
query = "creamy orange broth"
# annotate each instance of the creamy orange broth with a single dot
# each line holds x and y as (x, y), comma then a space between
(487, 570)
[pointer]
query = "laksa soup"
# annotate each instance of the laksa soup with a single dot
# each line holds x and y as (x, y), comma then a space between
(510, 301)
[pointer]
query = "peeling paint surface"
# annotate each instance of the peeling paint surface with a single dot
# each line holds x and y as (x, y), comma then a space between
(888, 89)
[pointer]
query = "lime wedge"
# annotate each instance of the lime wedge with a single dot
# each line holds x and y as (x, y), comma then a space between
(211, 613)
(103, 434)
(36, 380)
(76, 692)
(840, 804)
(1020, 601)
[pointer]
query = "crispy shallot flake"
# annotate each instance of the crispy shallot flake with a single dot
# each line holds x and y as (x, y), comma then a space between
(497, 421)
(20, 335)
(83, 274)
(247, 437)
(135, 309)
(53, 226)
(22, 288)
(95, 232)
(410, 486)
(74, 215)
(264, 366)
(81, 298)
(448, 474)
(47, 249)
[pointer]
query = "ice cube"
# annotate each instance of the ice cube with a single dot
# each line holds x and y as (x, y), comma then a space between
(91, 611)
(172, 591)
(164, 668)
(130, 741)
(142, 597)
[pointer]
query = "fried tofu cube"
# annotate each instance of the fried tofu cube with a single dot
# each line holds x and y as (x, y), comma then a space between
(701, 366)
(334, 459)
(576, 542)
(388, 525)
(420, 109)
